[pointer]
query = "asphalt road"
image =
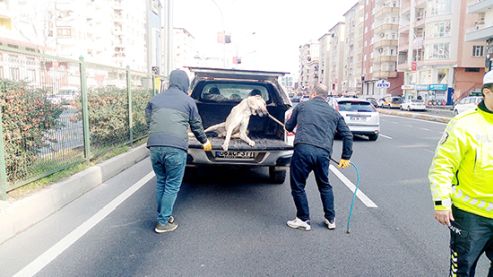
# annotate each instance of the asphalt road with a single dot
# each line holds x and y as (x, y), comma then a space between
(233, 223)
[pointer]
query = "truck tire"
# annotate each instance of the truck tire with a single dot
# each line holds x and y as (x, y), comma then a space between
(190, 175)
(373, 137)
(277, 176)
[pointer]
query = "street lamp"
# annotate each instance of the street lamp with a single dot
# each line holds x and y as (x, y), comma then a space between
(224, 31)
(362, 83)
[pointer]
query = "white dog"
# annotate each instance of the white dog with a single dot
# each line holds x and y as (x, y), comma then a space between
(236, 123)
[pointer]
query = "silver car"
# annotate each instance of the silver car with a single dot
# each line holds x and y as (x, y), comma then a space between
(467, 104)
(361, 116)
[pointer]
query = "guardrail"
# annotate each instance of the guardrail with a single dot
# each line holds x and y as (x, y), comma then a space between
(56, 112)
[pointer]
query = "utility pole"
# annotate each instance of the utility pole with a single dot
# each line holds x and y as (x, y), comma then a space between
(224, 31)
(489, 54)
(167, 27)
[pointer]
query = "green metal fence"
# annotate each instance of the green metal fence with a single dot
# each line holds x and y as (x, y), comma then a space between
(56, 112)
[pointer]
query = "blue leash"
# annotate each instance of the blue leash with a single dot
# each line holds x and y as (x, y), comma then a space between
(348, 230)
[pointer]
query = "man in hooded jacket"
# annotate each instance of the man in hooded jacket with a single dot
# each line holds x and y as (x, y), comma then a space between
(170, 114)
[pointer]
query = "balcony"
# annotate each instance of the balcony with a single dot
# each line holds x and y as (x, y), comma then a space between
(384, 59)
(385, 10)
(404, 28)
(385, 42)
(420, 21)
(418, 43)
(384, 74)
(480, 32)
(405, 7)
(479, 6)
(403, 44)
(386, 26)
(420, 3)
(403, 67)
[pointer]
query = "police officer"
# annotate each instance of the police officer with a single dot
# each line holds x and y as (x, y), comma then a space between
(461, 181)
(317, 123)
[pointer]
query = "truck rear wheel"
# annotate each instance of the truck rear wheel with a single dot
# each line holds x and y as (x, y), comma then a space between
(373, 137)
(277, 176)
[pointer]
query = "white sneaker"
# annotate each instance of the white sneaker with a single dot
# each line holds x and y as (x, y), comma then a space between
(299, 224)
(330, 225)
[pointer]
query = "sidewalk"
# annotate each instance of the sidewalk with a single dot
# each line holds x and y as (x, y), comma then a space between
(18, 215)
(417, 115)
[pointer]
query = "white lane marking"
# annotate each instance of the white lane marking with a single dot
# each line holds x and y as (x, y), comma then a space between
(410, 118)
(387, 137)
(49, 255)
(365, 199)
(424, 129)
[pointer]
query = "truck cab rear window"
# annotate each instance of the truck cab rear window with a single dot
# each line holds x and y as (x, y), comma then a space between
(221, 92)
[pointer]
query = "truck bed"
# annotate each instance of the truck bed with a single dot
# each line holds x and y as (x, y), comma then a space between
(261, 144)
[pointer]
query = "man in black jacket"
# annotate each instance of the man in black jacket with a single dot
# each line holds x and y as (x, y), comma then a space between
(316, 124)
(169, 115)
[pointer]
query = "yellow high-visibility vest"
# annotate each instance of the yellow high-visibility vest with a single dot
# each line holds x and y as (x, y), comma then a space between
(461, 172)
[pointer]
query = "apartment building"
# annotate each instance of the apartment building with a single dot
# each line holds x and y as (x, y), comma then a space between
(438, 63)
(482, 29)
(117, 32)
(309, 66)
(380, 33)
(184, 47)
(323, 72)
(335, 61)
(353, 50)
(23, 64)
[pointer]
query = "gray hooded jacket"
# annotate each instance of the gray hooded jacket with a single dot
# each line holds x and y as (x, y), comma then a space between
(170, 114)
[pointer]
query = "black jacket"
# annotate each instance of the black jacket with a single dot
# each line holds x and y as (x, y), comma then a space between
(170, 114)
(317, 122)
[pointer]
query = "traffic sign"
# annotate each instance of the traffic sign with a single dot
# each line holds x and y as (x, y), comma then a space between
(382, 84)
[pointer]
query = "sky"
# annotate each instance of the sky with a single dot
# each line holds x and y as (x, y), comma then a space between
(265, 33)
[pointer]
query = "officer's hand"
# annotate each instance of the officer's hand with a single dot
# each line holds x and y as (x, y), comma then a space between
(343, 163)
(207, 146)
(444, 217)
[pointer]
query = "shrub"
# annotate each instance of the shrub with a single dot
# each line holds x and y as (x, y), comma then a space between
(108, 115)
(27, 116)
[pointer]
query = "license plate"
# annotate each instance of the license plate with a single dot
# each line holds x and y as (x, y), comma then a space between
(357, 118)
(235, 155)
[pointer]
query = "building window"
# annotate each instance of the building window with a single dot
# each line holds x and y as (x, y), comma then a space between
(14, 59)
(15, 73)
(30, 61)
(64, 32)
(438, 30)
(477, 51)
(31, 75)
(1, 72)
(473, 69)
(439, 7)
(437, 51)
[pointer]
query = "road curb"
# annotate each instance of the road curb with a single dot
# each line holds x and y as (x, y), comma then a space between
(19, 215)
(441, 119)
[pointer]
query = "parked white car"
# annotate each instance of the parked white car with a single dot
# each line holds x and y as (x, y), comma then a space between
(413, 105)
(361, 116)
(466, 104)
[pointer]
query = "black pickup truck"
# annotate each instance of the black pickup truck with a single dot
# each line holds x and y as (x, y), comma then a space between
(216, 91)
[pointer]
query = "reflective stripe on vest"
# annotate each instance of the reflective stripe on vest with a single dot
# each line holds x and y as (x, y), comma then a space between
(459, 194)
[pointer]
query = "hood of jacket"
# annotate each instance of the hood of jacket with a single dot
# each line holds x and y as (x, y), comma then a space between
(179, 79)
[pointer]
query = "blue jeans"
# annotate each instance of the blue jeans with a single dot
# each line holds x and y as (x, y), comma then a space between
(169, 165)
(307, 158)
